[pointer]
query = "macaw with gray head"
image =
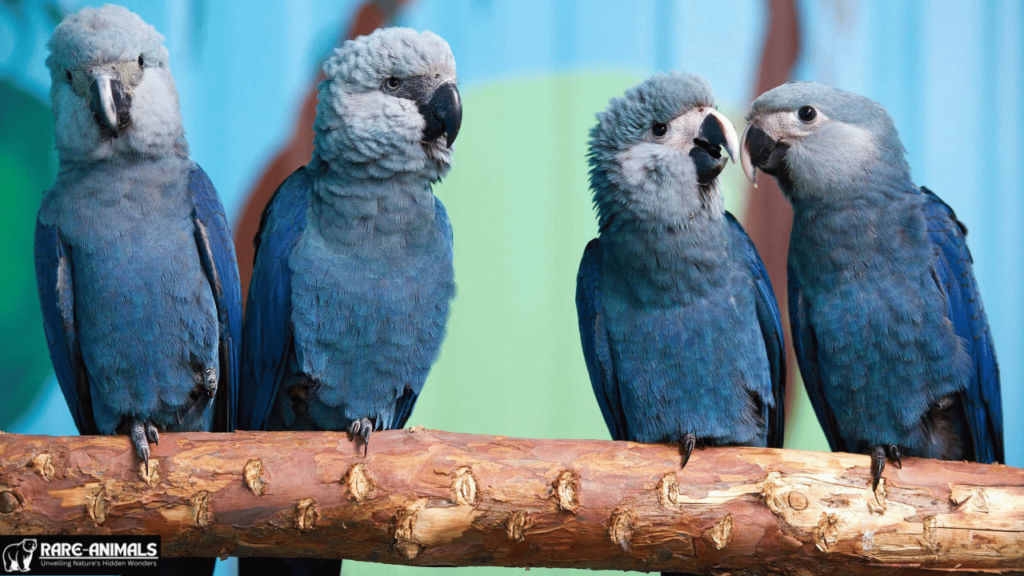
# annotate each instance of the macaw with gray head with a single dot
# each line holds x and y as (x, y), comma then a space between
(679, 325)
(888, 325)
(353, 276)
(134, 259)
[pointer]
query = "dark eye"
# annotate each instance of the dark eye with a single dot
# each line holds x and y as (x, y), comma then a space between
(807, 113)
(659, 129)
(392, 83)
(141, 62)
(67, 74)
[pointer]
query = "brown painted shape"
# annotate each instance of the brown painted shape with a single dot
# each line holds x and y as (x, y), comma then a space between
(769, 216)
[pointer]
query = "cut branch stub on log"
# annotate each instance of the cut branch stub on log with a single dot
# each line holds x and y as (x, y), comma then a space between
(435, 498)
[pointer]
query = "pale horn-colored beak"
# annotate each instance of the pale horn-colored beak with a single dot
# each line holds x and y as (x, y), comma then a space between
(748, 166)
(103, 104)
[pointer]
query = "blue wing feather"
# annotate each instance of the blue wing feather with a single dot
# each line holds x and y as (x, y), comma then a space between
(771, 328)
(56, 296)
(953, 266)
(268, 330)
(596, 349)
(223, 277)
(806, 347)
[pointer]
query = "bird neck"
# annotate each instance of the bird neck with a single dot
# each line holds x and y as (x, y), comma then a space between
(393, 212)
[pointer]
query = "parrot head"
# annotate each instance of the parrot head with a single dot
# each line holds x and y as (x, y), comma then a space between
(112, 91)
(389, 105)
(819, 141)
(656, 152)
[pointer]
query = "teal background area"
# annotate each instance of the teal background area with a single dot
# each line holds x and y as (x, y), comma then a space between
(533, 74)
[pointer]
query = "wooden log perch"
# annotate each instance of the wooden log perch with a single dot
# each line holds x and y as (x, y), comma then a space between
(431, 498)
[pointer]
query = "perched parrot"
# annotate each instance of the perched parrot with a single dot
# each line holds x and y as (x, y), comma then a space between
(134, 260)
(353, 275)
(888, 325)
(679, 324)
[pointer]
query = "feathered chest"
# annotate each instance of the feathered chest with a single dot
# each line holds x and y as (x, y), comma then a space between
(341, 297)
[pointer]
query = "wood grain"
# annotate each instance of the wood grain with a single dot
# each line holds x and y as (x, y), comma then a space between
(432, 498)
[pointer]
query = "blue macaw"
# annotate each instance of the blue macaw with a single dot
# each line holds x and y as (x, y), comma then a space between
(353, 276)
(679, 324)
(134, 259)
(888, 325)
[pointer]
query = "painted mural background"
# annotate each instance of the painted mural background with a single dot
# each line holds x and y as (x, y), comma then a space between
(533, 74)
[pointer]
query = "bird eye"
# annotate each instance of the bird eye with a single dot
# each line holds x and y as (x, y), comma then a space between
(807, 113)
(141, 61)
(392, 83)
(659, 129)
(67, 74)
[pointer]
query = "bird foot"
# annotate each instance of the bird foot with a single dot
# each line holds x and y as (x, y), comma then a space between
(686, 448)
(142, 433)
(878, 457)
(362, 428)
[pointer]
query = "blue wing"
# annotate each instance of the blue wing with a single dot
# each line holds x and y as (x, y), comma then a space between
(596, 350)
(771, 330)
(268, 330)
(56, 296)
(406, 402)
(806, 346)
(217, 252)
(954, 268)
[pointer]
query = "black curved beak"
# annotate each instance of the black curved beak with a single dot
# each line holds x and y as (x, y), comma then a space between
(110, 105)
(707, 148)
(443, 113)
(759, 150)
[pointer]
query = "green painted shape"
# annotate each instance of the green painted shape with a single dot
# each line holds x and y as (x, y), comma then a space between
(28, 165)
(521, 211)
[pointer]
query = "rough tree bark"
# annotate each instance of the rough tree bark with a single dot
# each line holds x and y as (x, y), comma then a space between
(435, 498)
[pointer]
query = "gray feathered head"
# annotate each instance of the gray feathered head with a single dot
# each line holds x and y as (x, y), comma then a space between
(112, 91)
(389, 106)
(821, 142)
(655, 153)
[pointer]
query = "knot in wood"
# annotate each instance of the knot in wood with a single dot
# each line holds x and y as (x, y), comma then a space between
(567, 488)
(518, 522)
(464, 486)
(826, 532)
(306, 514)
(721, 532)
(254, 475)
(201, 509)
(668, 491)
(797, 501)
(43, 465)
(9, 502)
(96, 505)
(620, 528)
(360, 485)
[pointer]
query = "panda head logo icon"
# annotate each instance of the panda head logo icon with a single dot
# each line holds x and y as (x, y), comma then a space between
(18, 557)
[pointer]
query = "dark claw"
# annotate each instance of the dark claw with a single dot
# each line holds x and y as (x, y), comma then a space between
(152, 434)
(367, 428)
(138, 437)
(689, 441)
(362, 428)
(877, 466)
(894, 453)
